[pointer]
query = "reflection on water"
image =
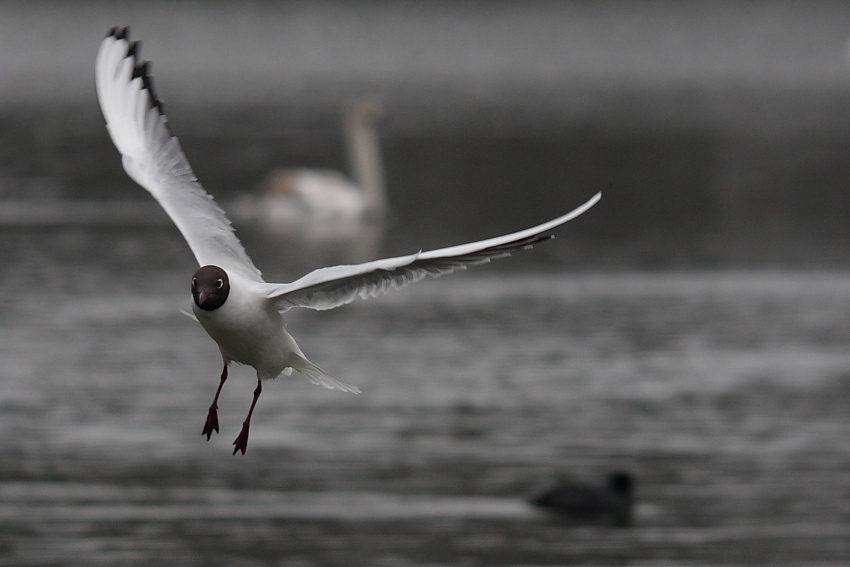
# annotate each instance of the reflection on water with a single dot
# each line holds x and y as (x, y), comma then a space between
(724, 392)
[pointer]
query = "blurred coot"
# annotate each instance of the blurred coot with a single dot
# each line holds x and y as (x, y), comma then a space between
(588, 503)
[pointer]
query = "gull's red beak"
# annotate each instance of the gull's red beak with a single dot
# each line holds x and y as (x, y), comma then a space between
(202, 298)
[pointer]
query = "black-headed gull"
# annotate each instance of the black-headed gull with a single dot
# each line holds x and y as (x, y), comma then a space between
(240, 311)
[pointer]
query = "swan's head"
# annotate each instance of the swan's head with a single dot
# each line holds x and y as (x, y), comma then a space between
(369, 108)
(210, 287)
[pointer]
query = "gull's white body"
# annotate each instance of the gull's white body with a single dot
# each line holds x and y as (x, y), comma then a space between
(249, 327)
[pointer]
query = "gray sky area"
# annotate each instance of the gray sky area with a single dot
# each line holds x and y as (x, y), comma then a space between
(576, 52)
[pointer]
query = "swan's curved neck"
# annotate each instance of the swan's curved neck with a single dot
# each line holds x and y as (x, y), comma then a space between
(364, 156)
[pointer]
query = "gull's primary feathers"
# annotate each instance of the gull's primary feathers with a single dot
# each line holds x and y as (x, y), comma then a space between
(237, 308)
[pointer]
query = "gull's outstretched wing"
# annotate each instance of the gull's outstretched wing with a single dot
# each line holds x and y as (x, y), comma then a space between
(151, 155)
(327, 288)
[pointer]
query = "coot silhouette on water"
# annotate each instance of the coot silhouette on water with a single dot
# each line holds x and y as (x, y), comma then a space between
(588, 503)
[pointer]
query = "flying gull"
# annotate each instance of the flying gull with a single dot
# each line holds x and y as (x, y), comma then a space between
(239, 310)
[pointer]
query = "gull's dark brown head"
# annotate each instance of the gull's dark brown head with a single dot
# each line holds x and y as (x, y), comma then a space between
(210, 287)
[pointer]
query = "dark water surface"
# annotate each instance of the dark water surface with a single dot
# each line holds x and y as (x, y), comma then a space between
(724, 391)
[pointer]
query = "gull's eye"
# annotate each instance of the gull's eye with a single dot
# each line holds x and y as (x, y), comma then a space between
(194, 282)
(219, 283)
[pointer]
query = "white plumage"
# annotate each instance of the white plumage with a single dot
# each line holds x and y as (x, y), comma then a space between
(323, 202)
(246, 319)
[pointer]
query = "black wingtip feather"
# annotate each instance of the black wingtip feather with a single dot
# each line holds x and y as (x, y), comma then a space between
(134, 49)
(119, 32)
(147, 81)
(521, 244)
(140, 70)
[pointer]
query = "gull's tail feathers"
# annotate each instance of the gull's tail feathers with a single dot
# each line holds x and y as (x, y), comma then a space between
(318, 376)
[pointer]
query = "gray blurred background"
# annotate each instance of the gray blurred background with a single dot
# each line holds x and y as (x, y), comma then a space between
(691, 329)
(718, 130)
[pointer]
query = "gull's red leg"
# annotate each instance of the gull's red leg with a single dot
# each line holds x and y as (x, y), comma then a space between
(212, 417)
(241, 442)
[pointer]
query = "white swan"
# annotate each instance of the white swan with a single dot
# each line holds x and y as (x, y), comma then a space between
(326, 202)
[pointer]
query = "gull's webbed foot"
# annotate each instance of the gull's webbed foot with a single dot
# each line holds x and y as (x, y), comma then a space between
(212, 422)
(241, 443)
